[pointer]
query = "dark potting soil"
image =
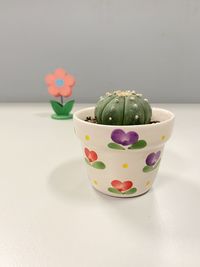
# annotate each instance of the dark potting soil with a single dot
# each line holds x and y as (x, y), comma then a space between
(94, 120)
(90, 119)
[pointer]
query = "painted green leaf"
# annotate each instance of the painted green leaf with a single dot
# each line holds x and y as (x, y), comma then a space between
(113, 190)
(147, 168)
(68, 107)
(131, 191)
(98, 165)
(57, 107)
(151, 168)
(115, 146)
(140, 144)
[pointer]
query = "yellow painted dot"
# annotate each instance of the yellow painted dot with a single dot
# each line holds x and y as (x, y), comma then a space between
(94, 181)
(125, 165)
(163, 137)
(148, 183)
(87, 137)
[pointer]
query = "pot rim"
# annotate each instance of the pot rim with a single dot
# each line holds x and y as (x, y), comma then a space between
(153, 125)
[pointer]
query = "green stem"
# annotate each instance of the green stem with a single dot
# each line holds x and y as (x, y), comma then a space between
(61, 99)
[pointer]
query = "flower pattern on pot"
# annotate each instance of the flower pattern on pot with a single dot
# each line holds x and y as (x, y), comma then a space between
(125, 139)
(91, 159)
(119, 187)
(152, 158)
(121, 140)
(91, 155)
(152, 161)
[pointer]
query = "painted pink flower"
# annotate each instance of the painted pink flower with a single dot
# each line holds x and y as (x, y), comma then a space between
(121, 186)
(91, 155)
(60, 83)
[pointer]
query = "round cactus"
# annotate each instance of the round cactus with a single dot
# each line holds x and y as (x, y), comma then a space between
(123, 108)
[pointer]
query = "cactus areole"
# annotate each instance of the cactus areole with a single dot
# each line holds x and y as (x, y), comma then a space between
(123, 108)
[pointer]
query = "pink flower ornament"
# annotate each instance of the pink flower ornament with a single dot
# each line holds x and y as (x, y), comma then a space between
(60, 84)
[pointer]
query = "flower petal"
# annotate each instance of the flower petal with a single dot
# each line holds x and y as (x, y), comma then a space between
(131, 138)
(117, 184)
(121, 186)
(49, 79)
(151, 159)
(59, 73)
(157, 156)
(65, 91)
(127, 185)
(69, 80)
(87, 151)
(117, 135)
(120, 137)
(53, 91)
(93, 156)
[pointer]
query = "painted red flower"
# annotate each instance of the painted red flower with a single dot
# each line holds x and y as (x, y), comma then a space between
(91, 155)
(60, 83)
(121, 186)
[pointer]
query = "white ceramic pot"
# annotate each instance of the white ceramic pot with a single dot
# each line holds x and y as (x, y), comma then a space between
(123, 161)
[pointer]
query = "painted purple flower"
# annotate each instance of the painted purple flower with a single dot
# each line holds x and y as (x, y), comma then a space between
(125, 139)
(152, 158)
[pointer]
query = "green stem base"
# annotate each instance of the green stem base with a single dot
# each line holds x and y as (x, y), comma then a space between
(62, 117)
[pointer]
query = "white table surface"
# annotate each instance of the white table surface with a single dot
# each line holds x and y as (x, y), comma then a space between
(50, 216)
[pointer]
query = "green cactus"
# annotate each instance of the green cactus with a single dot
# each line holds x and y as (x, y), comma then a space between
(123, 108)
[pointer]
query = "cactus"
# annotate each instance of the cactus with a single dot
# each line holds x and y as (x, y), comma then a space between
(123, 108)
